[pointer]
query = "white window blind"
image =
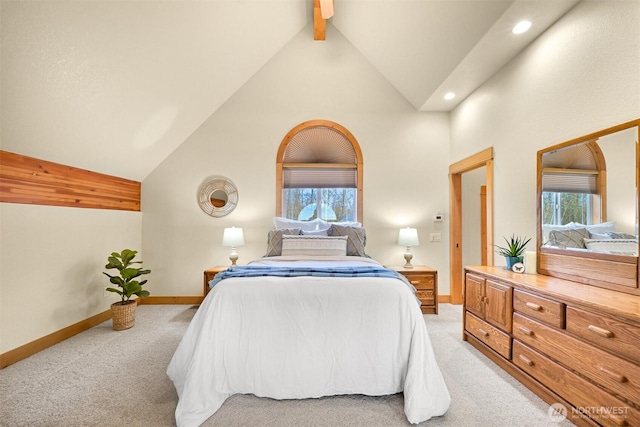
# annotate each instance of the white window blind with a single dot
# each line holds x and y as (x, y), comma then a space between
(569, 183)
(319, 178)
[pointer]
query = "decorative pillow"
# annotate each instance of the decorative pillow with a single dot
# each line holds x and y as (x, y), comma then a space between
(614, 246)
(314, 245)
(327, 224)
(571, 238)
(357, 238)
(316, 232)
(600, 236)
(274, 240)
(620, 235)
(282, 223)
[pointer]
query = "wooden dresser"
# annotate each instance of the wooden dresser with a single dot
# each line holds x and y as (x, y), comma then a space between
(571, 344)
(425, 280)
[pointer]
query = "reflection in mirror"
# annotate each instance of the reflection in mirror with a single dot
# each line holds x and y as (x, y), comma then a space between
(217, 196)
(587, 209)
(589, 195)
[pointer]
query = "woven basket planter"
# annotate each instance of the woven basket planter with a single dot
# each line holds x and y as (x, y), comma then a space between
(123, 316)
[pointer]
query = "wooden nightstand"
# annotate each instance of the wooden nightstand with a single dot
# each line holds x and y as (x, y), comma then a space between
(208, 276)
(425, 279)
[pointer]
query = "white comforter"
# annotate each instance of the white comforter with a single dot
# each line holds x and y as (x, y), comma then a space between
(306, 337)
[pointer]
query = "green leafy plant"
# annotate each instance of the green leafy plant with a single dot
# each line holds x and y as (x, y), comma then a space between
(515, 246)
(127, 275)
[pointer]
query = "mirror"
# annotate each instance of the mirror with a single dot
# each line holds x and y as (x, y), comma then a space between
(217, 196)
(587, 208)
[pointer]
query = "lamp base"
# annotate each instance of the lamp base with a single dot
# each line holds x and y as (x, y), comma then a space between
(408, 257)
(233, 256)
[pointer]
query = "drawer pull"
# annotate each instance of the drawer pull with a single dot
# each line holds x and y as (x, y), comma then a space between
(525, 331)
(616, 376)
(534, 306)
(415, 282)
(483, 332)
(600, 331)
(526, 360)
(619, 421)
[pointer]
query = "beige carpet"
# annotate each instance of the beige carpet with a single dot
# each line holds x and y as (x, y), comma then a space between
(107, 378)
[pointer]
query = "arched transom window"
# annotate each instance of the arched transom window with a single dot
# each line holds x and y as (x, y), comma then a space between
(319, 173)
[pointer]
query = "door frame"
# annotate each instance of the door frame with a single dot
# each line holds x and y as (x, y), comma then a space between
(482, 159)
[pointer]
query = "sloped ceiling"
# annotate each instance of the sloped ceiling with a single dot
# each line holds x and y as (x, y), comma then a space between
(115, 87)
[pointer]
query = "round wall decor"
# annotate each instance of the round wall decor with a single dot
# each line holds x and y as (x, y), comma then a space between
(217, 196)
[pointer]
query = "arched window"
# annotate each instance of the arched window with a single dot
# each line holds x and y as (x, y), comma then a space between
(574, 185)
(319, 173)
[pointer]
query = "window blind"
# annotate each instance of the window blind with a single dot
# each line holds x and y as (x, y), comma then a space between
(319, 178)
(569, 183)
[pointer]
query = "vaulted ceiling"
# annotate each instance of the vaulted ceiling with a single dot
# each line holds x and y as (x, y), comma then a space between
(134, 74)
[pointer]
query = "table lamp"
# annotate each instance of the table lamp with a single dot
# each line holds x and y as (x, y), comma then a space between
(233, 237)
(408, 237)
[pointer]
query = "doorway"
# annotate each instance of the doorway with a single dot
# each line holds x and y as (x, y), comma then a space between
(481, 159)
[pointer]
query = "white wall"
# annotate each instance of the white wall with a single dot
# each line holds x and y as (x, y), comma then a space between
(580, 76)
(51, 264)
(406, 158)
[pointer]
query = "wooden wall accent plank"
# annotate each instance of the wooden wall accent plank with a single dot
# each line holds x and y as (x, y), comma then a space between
(28, 180)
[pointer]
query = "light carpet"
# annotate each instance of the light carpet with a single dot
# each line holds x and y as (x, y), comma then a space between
(106, 378)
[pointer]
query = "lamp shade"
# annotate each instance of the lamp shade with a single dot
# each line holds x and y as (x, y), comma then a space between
(233, 237)
(408, 237)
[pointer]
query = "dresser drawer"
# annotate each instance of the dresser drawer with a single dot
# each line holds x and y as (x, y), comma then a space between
(488, 334)
(617, 375)
(619, 337)
(421, 281)
(589, 399)
(546, 310)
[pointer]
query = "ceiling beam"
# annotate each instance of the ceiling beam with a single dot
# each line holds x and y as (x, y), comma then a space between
(319, 23)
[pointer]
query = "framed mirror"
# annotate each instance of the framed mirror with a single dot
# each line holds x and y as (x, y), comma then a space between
(217, 196)
(587, 209)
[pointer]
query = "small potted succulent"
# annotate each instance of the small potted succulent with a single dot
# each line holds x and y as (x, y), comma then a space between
(123, 311)
(514, 251)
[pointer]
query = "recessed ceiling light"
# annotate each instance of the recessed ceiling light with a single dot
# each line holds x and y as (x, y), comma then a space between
(521, 27)
(449, 95)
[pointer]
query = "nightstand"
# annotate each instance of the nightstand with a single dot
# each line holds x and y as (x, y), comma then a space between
(425, 279)
(208, 276)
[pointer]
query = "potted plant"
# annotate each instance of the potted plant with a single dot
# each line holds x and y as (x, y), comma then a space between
(123, 312)
(514, 250)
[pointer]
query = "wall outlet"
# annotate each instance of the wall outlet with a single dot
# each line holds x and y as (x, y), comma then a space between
(435, 237)
(438, 218)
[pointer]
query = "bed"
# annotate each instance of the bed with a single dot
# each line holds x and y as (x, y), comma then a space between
(297, 326)
(603, 238)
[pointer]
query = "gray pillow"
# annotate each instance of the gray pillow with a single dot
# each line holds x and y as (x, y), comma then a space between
(274, 240)
(570, 238)
(356, 238)
(620, 235)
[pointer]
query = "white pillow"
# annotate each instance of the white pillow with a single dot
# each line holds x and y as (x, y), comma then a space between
(343, 223)
(315, 225)
(603, 227)
(314, 245)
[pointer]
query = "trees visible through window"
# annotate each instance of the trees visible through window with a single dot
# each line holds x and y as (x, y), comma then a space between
(329, 204)
(563, 208)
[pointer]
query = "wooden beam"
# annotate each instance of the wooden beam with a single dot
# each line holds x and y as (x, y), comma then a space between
(319, 23)
(27, 180)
